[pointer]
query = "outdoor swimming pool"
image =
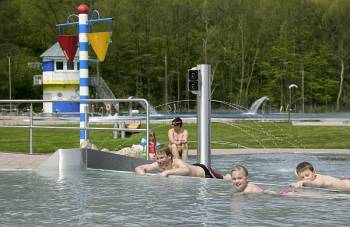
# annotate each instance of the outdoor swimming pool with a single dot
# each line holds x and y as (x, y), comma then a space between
(104, 198)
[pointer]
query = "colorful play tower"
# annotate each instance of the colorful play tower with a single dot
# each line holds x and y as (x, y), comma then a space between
(99, 42)
(60, 81)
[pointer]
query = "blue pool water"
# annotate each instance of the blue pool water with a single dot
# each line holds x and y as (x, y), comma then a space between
(104, 198)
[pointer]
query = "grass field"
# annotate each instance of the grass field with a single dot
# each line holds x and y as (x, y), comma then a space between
(224, 135)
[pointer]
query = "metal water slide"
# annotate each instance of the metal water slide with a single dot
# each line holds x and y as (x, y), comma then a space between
(102, 89)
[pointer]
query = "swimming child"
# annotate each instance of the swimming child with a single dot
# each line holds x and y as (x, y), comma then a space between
(168, 165)
(307, 176)
(239, 176)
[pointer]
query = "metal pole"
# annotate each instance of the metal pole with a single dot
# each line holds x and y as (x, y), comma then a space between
(31, 129)
(98, 68)
(290, 103)
(86, 122)
(147, 131)
(166, 81)
(290, 99)
(302, 91)
(116, 132)
(198, 137)
(83, 11)
(10, 81)
(204, 116)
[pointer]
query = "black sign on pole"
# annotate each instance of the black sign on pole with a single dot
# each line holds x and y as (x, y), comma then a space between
(193, 80)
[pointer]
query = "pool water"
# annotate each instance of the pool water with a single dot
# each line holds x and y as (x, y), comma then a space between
(105, 198)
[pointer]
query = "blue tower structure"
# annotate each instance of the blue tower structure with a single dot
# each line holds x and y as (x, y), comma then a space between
(60, 81)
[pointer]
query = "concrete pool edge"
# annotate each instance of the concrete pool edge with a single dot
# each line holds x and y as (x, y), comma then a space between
(25, 162)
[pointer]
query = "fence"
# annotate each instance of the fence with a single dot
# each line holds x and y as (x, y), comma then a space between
(31, 125)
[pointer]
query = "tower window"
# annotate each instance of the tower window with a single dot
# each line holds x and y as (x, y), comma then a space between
(70, 66)
(59, 65)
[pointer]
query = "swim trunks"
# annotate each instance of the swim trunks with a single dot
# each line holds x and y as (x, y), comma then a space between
(209, 172)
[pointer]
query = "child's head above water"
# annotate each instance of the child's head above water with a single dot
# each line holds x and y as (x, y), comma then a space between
(239, 175)
(164, 150)
(305, 170)
(240, 168)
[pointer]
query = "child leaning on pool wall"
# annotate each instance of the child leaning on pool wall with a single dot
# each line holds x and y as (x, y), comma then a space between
(239, 176)
(307, 176)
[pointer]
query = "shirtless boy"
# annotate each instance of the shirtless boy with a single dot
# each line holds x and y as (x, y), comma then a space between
(307, 176)
(167, 165)
(239, 176)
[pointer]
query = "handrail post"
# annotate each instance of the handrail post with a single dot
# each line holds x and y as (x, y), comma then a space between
(147, 130)
(31, 129)
(86, 121)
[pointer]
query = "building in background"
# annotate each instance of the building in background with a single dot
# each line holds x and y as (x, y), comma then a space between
(60, 81)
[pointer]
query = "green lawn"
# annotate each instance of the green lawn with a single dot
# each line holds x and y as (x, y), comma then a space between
(224, 135)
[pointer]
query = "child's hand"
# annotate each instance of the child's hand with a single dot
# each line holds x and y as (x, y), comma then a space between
(228, 177)
(164, 173)
(298, 184)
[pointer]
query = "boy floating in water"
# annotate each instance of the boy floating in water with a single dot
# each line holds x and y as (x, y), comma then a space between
(239, 176)
(167, 165)
(307, 176)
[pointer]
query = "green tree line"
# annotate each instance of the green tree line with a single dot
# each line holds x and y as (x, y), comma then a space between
(255, 48)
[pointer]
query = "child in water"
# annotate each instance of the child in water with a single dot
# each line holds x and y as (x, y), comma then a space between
(307, 176)
(239, 177)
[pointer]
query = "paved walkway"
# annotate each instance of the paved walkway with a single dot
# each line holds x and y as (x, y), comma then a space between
(16, 161)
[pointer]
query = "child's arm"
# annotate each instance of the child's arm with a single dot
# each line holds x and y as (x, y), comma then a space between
(317, 183)
(185, 137)
(298, 184)
(182, 170)
(143, 169)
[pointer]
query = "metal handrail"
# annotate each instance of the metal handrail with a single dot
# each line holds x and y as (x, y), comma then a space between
(31, 119)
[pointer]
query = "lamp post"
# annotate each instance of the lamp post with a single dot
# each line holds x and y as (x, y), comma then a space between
(290, 99)
(10, 86)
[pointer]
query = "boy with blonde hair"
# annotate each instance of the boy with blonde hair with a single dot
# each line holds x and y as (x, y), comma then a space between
(239, 177)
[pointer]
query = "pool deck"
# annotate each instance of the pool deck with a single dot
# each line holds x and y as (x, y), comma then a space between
(26, 162)
(18, 161)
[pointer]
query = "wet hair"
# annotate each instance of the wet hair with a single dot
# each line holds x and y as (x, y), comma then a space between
(304, 166)
(240, 168)
(177, 121)
(164, 149)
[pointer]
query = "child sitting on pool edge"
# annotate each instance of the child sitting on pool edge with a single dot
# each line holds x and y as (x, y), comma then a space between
(239, 177)
(307, 176)
(153, 144)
